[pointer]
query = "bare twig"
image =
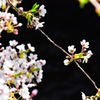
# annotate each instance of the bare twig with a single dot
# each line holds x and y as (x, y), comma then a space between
(54, 43)
(86, 75)
(7, 9)
(11, 5)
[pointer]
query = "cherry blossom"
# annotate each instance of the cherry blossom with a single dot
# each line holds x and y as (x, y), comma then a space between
(71, 49)
(66, 62)
(42, 11)
(84, 43)
(9, 23)
(82, 56)
(18, 70)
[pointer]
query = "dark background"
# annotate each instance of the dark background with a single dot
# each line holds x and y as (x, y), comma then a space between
(67, 24)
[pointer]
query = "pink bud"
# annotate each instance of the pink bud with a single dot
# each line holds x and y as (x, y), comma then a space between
(15, 31)
(34, 92)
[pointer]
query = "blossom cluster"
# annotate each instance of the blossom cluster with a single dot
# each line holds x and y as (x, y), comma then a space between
(83, 56)
(34, 15)
(9, 23)
(20, 70)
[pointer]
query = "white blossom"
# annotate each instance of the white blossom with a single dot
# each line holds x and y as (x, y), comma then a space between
(4, 92)
(31, 85)
(13, 43)
(39, 76)
(42, 11)
(88, 55)
(21, 47)
(37, 23)
(33, 56)
(66, 62)
(85, 59)
(84, 97)
(24, 92)
(84, 43)
(71, 49)
(2, 81)
(30, 47)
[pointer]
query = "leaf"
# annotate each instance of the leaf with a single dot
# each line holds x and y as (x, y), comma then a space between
(17, 75)
(83, 3)
(37, 69)
(22, 55)
(34, 8)
(79, 56)
(33, 68)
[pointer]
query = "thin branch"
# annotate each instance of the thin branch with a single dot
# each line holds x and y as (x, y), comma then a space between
(95, 3)
(7, 9)
(70, 56)
(54, 43)
(11, 5)
(86, 75)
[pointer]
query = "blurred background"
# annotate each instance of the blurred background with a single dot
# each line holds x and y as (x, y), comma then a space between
(66, 24)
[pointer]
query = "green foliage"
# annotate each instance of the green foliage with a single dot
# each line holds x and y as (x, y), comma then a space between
(34, 8)
(83, 3)
(33, 68)
(79, 56)
(29, 14)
